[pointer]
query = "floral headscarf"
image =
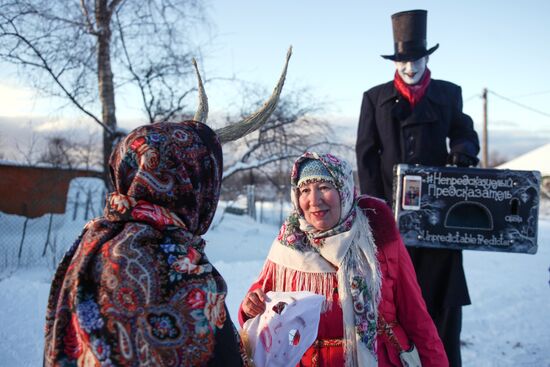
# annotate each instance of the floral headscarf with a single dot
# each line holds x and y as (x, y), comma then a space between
(174, 166)
(296, 224)
(136, 288)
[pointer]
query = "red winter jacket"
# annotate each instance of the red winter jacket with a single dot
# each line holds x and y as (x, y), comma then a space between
(401, 304)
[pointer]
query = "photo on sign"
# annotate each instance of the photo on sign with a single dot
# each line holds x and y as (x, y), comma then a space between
(412, 192)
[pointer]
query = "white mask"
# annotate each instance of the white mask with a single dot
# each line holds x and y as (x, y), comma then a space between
(411, 71)
(280, 335)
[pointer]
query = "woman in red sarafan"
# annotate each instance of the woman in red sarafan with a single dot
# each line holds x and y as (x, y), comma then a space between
(348, 249)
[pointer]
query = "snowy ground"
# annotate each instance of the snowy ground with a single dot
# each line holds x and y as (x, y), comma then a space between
(508, 323)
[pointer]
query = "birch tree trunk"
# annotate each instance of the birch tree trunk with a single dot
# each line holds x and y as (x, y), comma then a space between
(103, 14)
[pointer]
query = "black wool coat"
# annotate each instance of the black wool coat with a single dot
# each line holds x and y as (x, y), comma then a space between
(390, 132)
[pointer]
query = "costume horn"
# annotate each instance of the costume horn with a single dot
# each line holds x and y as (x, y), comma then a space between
(258, 118)
(202, 110)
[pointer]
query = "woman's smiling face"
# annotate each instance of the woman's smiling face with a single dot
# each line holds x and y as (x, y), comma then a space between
(320, 204)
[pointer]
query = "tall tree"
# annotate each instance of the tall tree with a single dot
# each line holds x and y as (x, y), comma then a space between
(293, 128)
(85, 51)
(68, 151)
(58, 152)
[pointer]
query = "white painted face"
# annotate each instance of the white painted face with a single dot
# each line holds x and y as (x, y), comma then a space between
(411, 71)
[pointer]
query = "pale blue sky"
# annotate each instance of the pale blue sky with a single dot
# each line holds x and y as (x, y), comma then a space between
(501, 45)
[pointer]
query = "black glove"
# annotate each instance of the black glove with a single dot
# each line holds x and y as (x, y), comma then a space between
(462, 160)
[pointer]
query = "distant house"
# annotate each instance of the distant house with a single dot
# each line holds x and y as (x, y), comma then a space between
(535, 160)
(33, 191)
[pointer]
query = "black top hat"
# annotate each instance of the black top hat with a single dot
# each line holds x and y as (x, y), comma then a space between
(409, 36)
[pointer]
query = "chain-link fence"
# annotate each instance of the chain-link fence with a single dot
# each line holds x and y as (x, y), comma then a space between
(26, 242)
(250, 202)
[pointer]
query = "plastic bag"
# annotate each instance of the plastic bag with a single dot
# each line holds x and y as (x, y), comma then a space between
(410, 358)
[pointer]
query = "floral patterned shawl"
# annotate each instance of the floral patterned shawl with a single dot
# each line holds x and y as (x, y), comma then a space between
(302, 258)
(136, 288)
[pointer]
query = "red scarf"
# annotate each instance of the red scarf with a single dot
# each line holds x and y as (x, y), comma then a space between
(412, 93)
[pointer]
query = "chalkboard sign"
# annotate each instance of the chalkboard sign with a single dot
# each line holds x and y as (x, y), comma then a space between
(467, 208)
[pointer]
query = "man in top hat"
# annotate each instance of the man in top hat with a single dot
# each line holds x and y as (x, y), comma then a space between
(408, 120)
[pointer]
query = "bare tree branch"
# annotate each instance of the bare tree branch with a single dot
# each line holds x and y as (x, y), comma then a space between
(135, 75)
(240, 166)
(73, 53)
(87, 19)
(28, 151)
(268, 153)
(44, 65)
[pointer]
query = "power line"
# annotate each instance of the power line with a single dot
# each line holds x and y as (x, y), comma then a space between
(519, 104)
(472, 97)
(532, 94)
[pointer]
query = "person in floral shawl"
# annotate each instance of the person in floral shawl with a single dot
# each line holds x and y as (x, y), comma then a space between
(347, 248)
(136, 289)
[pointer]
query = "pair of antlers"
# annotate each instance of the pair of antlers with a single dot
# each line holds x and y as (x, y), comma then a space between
(250, 123)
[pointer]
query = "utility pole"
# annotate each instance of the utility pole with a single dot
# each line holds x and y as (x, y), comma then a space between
(485, 154)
